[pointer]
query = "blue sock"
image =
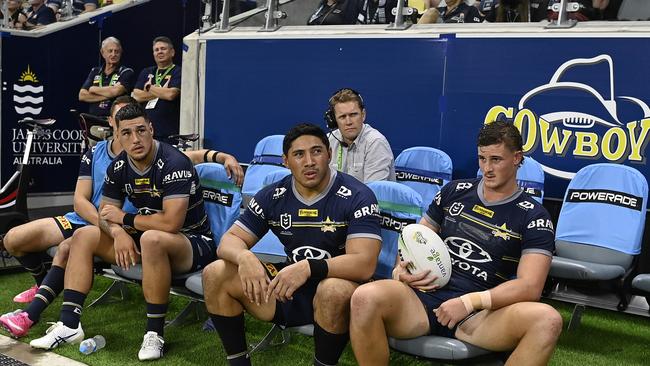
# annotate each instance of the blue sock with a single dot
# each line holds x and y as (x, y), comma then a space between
(233, 336)
(73, 303)
(33, 262)
(156, 317)
(50, 288)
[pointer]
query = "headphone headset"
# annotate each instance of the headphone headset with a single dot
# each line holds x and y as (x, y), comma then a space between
(330, 118)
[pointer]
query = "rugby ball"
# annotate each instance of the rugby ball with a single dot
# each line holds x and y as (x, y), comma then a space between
(426, 251)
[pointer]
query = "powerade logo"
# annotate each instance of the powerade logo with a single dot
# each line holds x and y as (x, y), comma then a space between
(569, 118)
(605, 196)
(218, 197)
(411, 177)
(392, 223)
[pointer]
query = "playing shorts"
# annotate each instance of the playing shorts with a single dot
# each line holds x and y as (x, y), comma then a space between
(300, 310)
(67, 228)
(203, 249)
(431, 301)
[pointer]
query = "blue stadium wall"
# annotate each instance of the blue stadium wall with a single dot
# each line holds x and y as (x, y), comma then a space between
(55, 65)
(438, 90)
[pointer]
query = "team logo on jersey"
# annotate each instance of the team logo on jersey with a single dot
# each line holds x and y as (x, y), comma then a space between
(463, 186)
(526, 205)
(128, 189)
(467, 250)
(142, 181)
(328, 226)
(160, 164)
(309, 252)
(503, 233)
(483, 211)
(456, 208)
(344, 192)
(307, 212)
(279, 192)
(285, 221)
(118, 165)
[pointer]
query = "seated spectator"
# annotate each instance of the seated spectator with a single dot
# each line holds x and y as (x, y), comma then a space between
(107, 82)
(78, 6)
(15, 13)
(38, 14)
(337, 12)
(359, 150)
(379, 11)
(505, 11)
(589, 10)
(453, 11)
(159, 89)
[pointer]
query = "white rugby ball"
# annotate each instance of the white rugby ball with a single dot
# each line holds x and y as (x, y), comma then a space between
(426, 251)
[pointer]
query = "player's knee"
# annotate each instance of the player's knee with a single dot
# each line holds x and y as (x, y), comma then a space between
(214, 274)
(62, 252)
(151, 243)
(86, 237)
(364, 301)
(550, 322)
(333, 293)
(12, 241)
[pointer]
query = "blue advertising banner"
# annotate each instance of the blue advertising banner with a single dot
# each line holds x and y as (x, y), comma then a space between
(577, 101)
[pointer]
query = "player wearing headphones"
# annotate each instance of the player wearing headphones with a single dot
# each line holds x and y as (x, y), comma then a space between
(359, 150)
(501, 242)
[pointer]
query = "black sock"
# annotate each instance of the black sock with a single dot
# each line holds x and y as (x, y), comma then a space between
(73, 303)
(156, 318)
(329, 346)
(232, 332)
(47, 292)
(34, 264)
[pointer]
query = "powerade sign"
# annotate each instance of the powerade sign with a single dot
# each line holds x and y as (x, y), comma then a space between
(605, 196)
(595, 130)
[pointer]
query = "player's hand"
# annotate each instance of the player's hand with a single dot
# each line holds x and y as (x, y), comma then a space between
(112, 214)
(418, 281)
(233, 169)
(126, 254)
(450, 312)
(288, 280)
(253, 277)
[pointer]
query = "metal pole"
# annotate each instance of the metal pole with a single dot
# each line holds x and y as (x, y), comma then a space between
(562, 19)
(399, 17)
(272, 16)
(224, 25)
(5, 13)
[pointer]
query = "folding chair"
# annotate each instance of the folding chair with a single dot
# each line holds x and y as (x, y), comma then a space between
(222, 199)
(530, 177)
(599, 231)
(425, 169)
(266, 159)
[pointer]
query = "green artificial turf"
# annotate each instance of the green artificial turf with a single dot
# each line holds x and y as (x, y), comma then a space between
(604, 338)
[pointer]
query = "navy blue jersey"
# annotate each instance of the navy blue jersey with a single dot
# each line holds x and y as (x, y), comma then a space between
(171, 175)
(164, 114)
(486, 240)
(317, 228)
(122, 75)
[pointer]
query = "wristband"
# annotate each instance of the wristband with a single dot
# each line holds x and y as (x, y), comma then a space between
(129, 219)
(318, 268)
(214, 156)
(477, 301)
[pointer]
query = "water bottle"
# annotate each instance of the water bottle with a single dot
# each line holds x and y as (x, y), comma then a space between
(91, 345)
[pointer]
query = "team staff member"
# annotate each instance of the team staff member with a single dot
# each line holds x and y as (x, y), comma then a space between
(107, 82)
(328, 224)
(359, 150)
(27, 242)
(170, 233)
(159, 88)
(491, 298)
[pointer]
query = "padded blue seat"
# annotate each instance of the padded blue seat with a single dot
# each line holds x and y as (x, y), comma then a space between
(425, 169)
(439, 348)
(530, 177)
(642, 282)
(267, 158)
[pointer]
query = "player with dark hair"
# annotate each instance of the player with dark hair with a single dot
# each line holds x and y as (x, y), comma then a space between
(501, 242)
(328, 224)
(27, 242)
(169, 234)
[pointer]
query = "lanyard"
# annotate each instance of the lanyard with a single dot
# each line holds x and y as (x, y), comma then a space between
(339, 158)
(160, 77)
(110, 83)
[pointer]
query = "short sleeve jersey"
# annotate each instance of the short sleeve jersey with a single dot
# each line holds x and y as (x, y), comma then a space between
(122, 75)
(43, 16)
(486, 240)
(93, 167)
(317, 228)
(165, 114)
(171, 175)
